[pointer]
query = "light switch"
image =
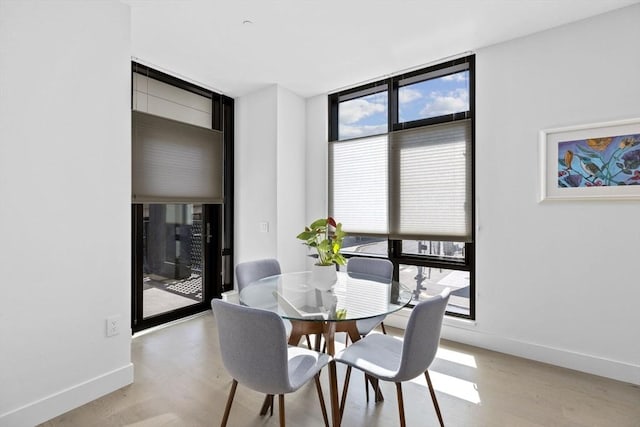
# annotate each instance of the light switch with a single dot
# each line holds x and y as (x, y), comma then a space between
(264, 227)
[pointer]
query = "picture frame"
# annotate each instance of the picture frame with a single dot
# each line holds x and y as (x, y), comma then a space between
(591, 162)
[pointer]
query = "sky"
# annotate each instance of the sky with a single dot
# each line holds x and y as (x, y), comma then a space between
(431, 98)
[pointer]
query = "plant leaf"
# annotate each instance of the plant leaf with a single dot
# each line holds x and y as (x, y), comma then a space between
(318, 223)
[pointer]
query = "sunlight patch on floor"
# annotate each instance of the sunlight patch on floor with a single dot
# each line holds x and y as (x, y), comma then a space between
(456, 387)
(456, 357)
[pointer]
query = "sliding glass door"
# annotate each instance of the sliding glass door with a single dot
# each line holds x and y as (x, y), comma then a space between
(175, 272)
(182, 196)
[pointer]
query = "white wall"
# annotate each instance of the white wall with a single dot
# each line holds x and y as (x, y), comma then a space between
(291, 180)
(65, 212)
(269, 176)
(559, 276)
(255, 174)
(557, 282)
(317, 161)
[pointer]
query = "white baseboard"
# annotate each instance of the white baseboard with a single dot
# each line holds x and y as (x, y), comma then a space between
(65, 400)
(467, 332)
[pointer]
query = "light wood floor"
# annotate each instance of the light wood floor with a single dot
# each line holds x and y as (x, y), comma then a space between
(180, 381)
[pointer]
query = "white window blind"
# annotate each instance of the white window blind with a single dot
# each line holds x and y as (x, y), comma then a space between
(358, 184)
(411, 184)
(175, 162)
(431, 182)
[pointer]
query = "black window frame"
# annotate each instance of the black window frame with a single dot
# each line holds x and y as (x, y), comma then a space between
(393, 84)
(220, 255)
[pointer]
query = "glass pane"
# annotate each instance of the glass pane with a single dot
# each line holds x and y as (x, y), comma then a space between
(365, 245)
(363, 116)
(452, 250)
(172, 257)
(435, 97)
(428, 281)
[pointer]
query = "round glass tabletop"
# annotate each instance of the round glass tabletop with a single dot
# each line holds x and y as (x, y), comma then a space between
(354, 296)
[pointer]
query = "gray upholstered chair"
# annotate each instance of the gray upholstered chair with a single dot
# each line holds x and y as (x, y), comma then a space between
(374, 267)
(254, 349)
(250, 271)
(390, 359)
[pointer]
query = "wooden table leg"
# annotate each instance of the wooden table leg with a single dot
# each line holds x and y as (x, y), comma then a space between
(335, 404)
(297, 331)
(328, 329)
(329, 337)
(351, 329)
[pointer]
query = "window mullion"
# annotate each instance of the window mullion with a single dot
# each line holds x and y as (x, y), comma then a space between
(393, 103)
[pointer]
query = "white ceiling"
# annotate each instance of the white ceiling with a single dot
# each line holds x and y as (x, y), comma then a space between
(313, 47)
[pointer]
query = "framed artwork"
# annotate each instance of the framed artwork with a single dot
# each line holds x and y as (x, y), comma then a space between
(596, 161)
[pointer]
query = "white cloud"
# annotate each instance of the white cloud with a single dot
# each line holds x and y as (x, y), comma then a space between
(357, 109)
(446, 103)
(347, 131)
(458, 77)
(407, 95)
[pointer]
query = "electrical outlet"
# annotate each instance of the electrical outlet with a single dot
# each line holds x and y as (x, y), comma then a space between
(113, 325)
(264, 227)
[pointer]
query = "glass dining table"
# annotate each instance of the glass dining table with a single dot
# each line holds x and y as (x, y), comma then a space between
(313, 310)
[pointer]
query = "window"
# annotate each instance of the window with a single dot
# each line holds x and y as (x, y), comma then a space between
(364, 115)
(401, 177)
(439, 249)
(434, 97)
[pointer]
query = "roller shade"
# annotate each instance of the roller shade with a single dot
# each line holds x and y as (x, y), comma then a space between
(358, 184)
(431, 183)
(175, 162)
(412, 184)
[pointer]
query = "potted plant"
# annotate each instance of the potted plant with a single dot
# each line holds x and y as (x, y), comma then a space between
(325, 236)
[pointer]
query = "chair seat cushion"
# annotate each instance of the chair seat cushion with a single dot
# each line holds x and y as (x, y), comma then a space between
(376, 354)
(303, 365)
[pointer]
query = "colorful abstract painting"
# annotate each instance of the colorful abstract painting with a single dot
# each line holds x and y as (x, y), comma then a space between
(609, 161)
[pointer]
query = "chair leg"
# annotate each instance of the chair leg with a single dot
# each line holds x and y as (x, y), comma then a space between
(376, 388)
(384, 331)
(366, 386)
(266, 405)
(308, 342)
(227, 409)
(281, 409)
(321, 397)
(433, 398)
(375, 383)
(345, 388)
(400, 405)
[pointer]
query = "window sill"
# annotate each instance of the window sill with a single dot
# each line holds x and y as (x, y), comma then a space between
(400, 318)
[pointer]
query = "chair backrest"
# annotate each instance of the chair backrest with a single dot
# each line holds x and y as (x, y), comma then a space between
(376, 267)
(247, 272)
(422, 336)
(253, 343)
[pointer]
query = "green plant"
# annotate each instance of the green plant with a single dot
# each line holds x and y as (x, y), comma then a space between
(328, 244)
